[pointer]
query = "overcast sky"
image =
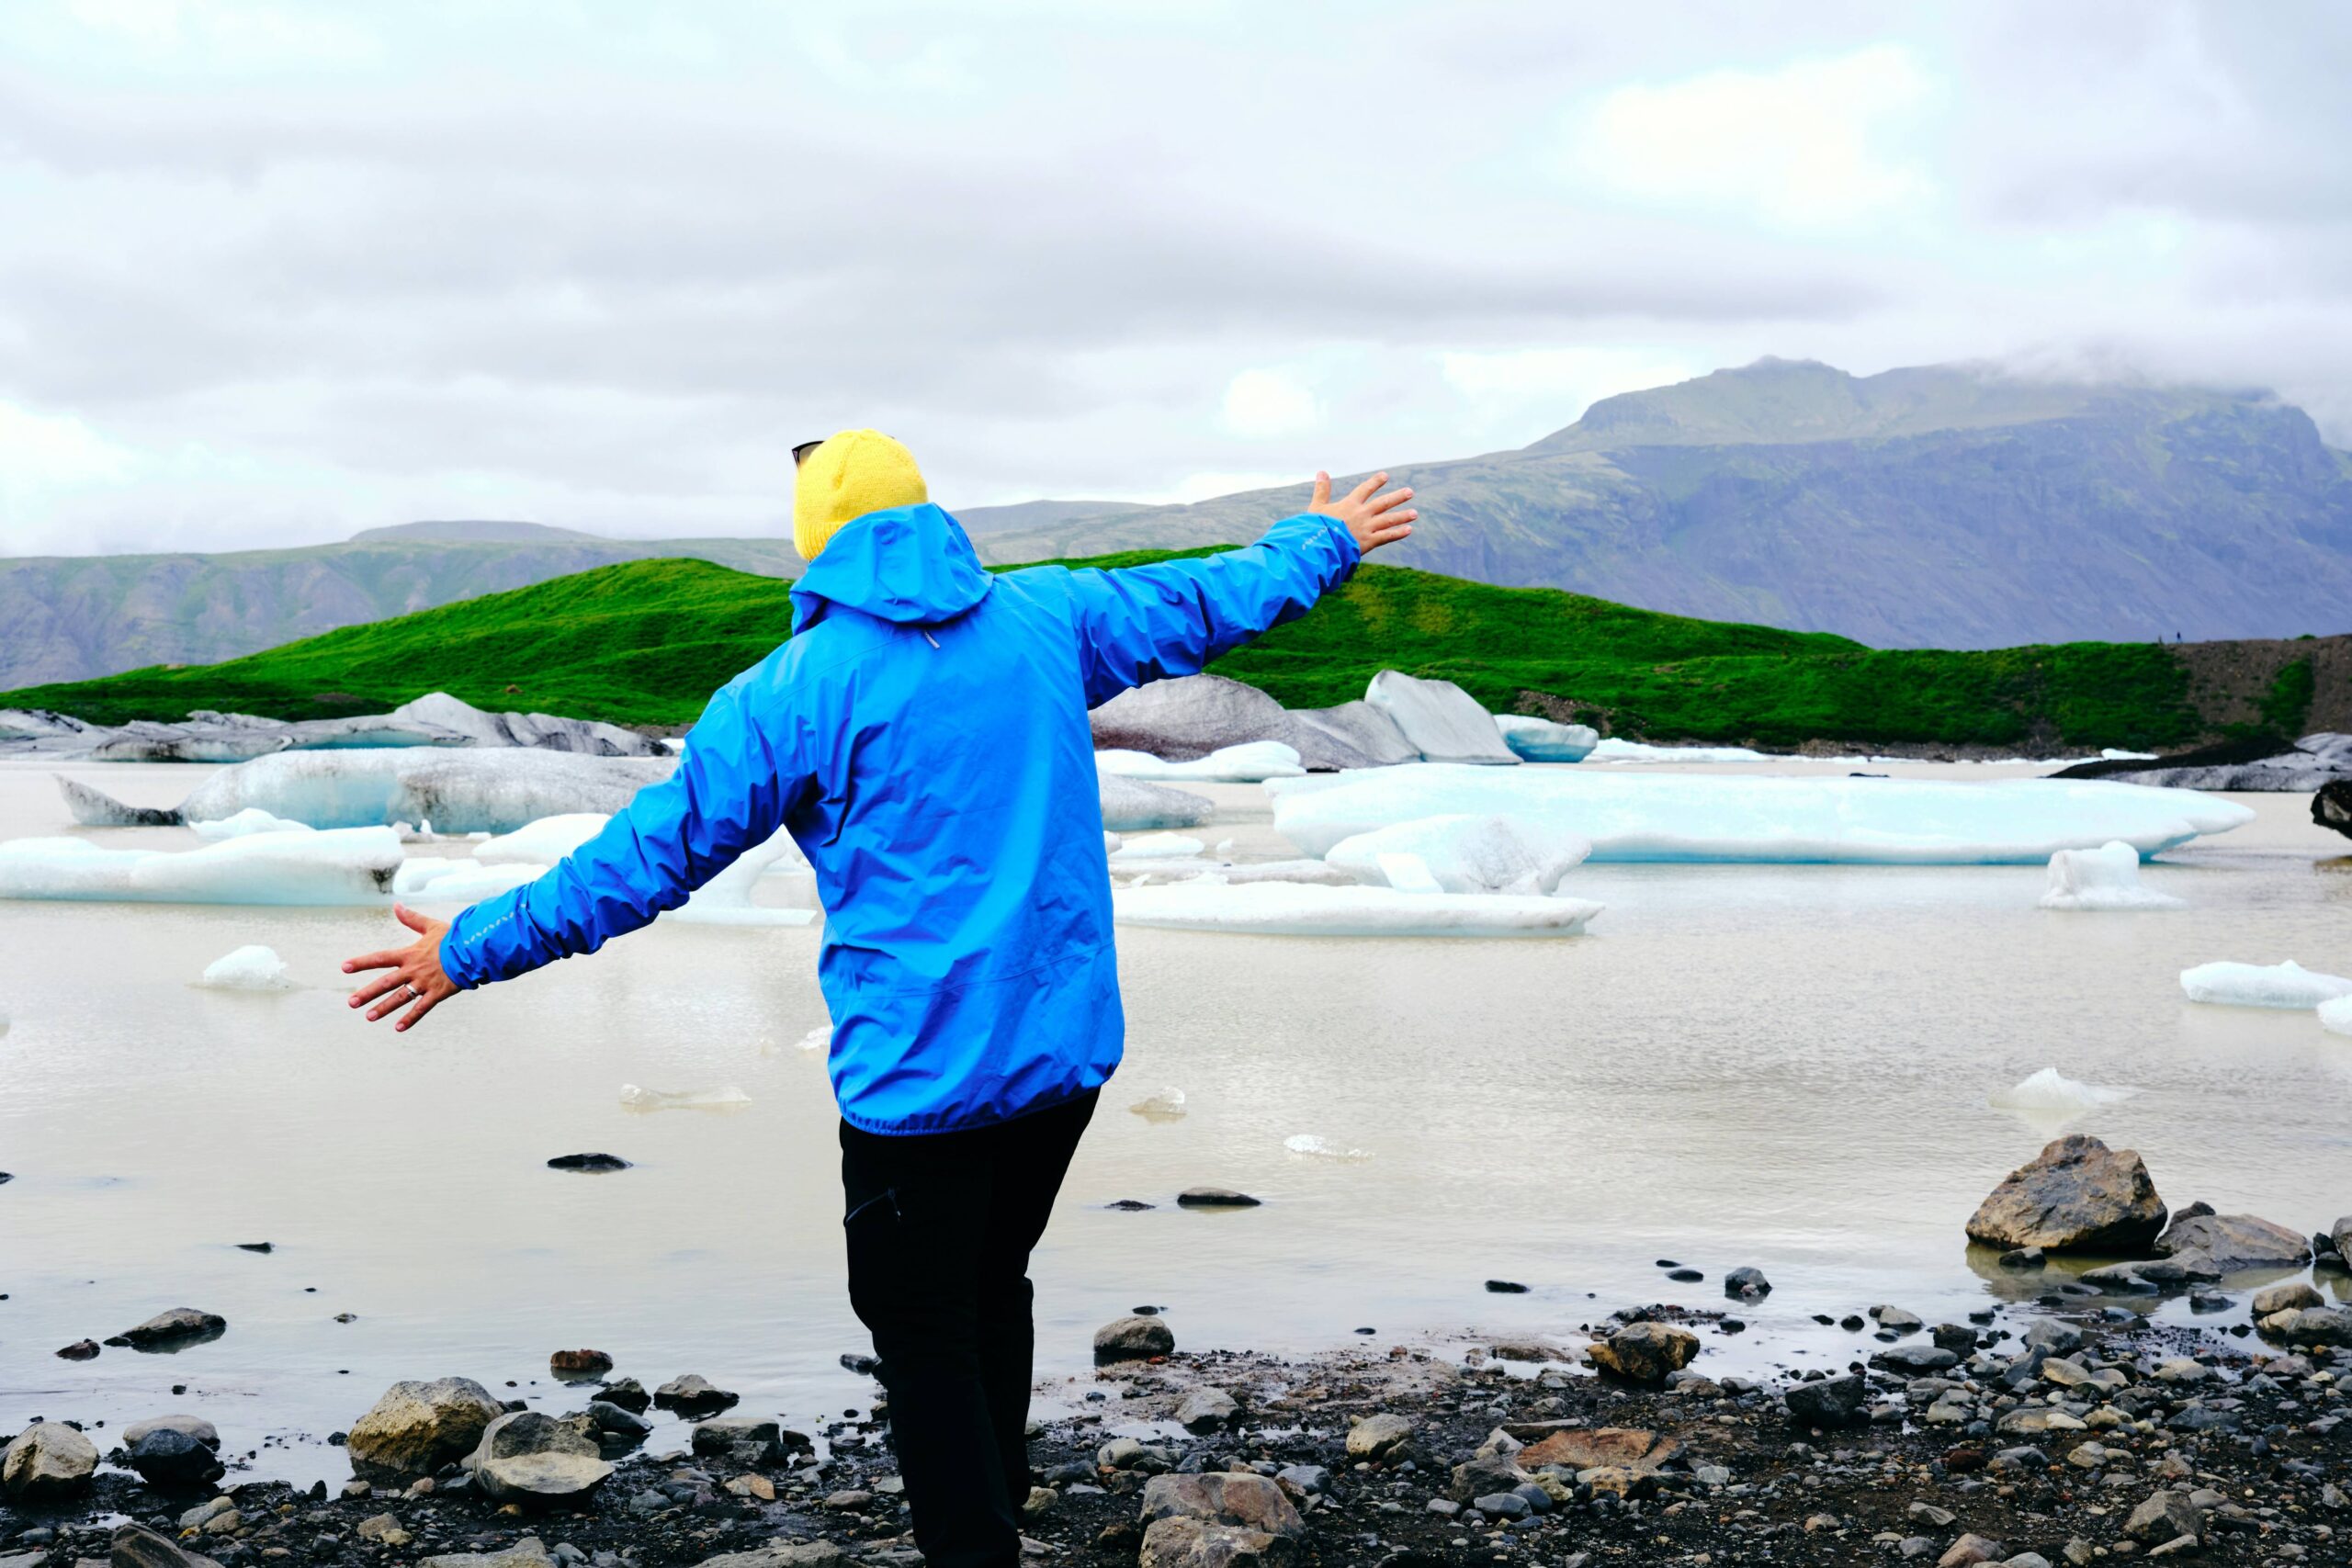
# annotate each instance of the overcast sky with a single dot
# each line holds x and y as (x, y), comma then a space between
(274, 270)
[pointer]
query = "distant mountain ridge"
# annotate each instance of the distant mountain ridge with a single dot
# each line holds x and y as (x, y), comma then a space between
(1944, 506)
(1951, 506)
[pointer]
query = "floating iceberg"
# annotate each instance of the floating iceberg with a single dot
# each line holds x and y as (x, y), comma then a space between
(726, 1099)
(726, 899)
(1131, 806)
(2104, 878)
(1194, 716)
(1316, 872)
(2287, 985)
(2050, 1093)
(1168, 1105)
(1158, 846)
(2335, 1017)
(254, 968)
(460, 791)
(1638, 814)
(1313, 1147)
(1254, 761)
(1441, 720)
(353, 865)
(1615, 750)
(430, 879)
(1291, 909)
(1541, 740)
(1405, 871)
(544, 842)
(440, 711)
(1358, 734)
(818, 1039)
(251, 819)
(1467, 854)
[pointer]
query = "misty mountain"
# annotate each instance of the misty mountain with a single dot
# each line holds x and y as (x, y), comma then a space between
(1946, 506)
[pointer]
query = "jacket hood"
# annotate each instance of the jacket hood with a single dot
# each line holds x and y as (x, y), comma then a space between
(909, 564)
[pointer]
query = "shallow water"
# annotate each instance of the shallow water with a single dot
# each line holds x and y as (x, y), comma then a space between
(1783, 1066)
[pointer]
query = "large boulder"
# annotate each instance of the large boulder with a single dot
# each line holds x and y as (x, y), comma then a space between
(1381, 1436)
(527, 1456)
(2332, 805)
(48, 1462)
(1645, 1353)
(2076, 1195)
(417, 1428)
(1131, 806)
(1187, 719)
(1829, 1402)
(173, 1458)
(1441, 720)
(174, 1330)
(136, 1546)
(1133, 1339)
(693, 1396)
(2231, 1242)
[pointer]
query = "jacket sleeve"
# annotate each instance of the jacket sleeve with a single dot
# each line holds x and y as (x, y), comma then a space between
(1147, 623)
(734, 784)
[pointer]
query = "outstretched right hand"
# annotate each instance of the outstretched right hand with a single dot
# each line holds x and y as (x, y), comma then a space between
(1372, 519)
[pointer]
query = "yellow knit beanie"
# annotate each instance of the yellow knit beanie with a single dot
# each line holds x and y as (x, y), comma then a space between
(852, 473)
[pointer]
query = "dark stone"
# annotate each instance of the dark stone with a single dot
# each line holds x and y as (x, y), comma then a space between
(2077, 1195)
(1746, 1284)
(578, 1366)
(693, 1396)
(1686, 1276)
(136, 1546)
(1129, 1205)
(256, 1246)
(80, 1350)
(2331, 807)
(1506, 1287)
(593, 1164)
(628, 1394)
(172, 1459)
(174, 1330)
(1216, 1198)
(863, 1366)
(1829, 1402)
(1914, 1360)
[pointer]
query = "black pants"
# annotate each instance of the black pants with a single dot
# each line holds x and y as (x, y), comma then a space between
(940, 1230)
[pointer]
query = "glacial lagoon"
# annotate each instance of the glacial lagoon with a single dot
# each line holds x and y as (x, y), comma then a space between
(1788, 1067)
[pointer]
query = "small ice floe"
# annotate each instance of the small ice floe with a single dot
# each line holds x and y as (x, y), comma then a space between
(1168, 1105)
(4, 1020)
(251, 819)
(353, 865)
(726, 899)
(1132, 806)
(1252, 761)
(726, 1099)
(434, 879)
(1313, 1147)
(251, 968)
(2335, 1017)
(2110, 754)
(1467, 854)
(2106, 878)
(1158, 846)
(818, 1039)
(1111, 842)
(2287, 985)
(1541, 740)
(2050, 1096)
(542, 841)
(1292, 909)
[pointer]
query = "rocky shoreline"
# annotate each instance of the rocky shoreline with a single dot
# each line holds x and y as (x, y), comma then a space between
(2058, 1432)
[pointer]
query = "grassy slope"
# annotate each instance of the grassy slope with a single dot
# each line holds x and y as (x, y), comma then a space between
(645, 642)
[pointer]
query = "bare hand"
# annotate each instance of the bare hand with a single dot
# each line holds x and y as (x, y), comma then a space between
(1372, 519)
(416, 977)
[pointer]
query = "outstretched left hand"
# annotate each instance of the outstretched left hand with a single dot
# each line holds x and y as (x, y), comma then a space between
(416, 976)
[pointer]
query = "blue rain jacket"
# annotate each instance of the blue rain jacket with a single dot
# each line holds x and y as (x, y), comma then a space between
(924, 737)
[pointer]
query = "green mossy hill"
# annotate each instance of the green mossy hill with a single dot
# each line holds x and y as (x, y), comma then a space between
(645, 642)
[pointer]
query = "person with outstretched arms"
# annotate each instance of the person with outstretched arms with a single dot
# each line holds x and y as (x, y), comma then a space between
(924, 737)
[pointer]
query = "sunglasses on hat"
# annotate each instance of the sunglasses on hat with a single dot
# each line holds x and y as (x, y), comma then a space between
(800, 453)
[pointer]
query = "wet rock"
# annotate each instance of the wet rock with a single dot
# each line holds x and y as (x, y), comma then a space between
(618, 1428)
(1956, 1338)
(174, 1330)
(694, 1396)
(2077, 1195)
(529, 1456)
(1971, 1548)
(2311, 1325)
(46, 1462)
(1207, 1410)
(1216, 1198)
(1897, 1320)
(1645, 1352)
(2332, 805)
(745, 1439)
(1379, 1437)
(781, 1554)
(2229, 1243)
(1133, 1339)
(628, 1394)
(136, 1546)
(172, 1458)
(196, 1426)
(2152, 1276)
(1301, 1481)
(2165, 1516)
(592, 1164)
(1746, 1284)
(417, 1428)
(1506, 1287)
(1829, 1402)
(2292, 1297)
(2024, 1259)
(579, 1366)
(80, 1350)
(1914, 1360)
